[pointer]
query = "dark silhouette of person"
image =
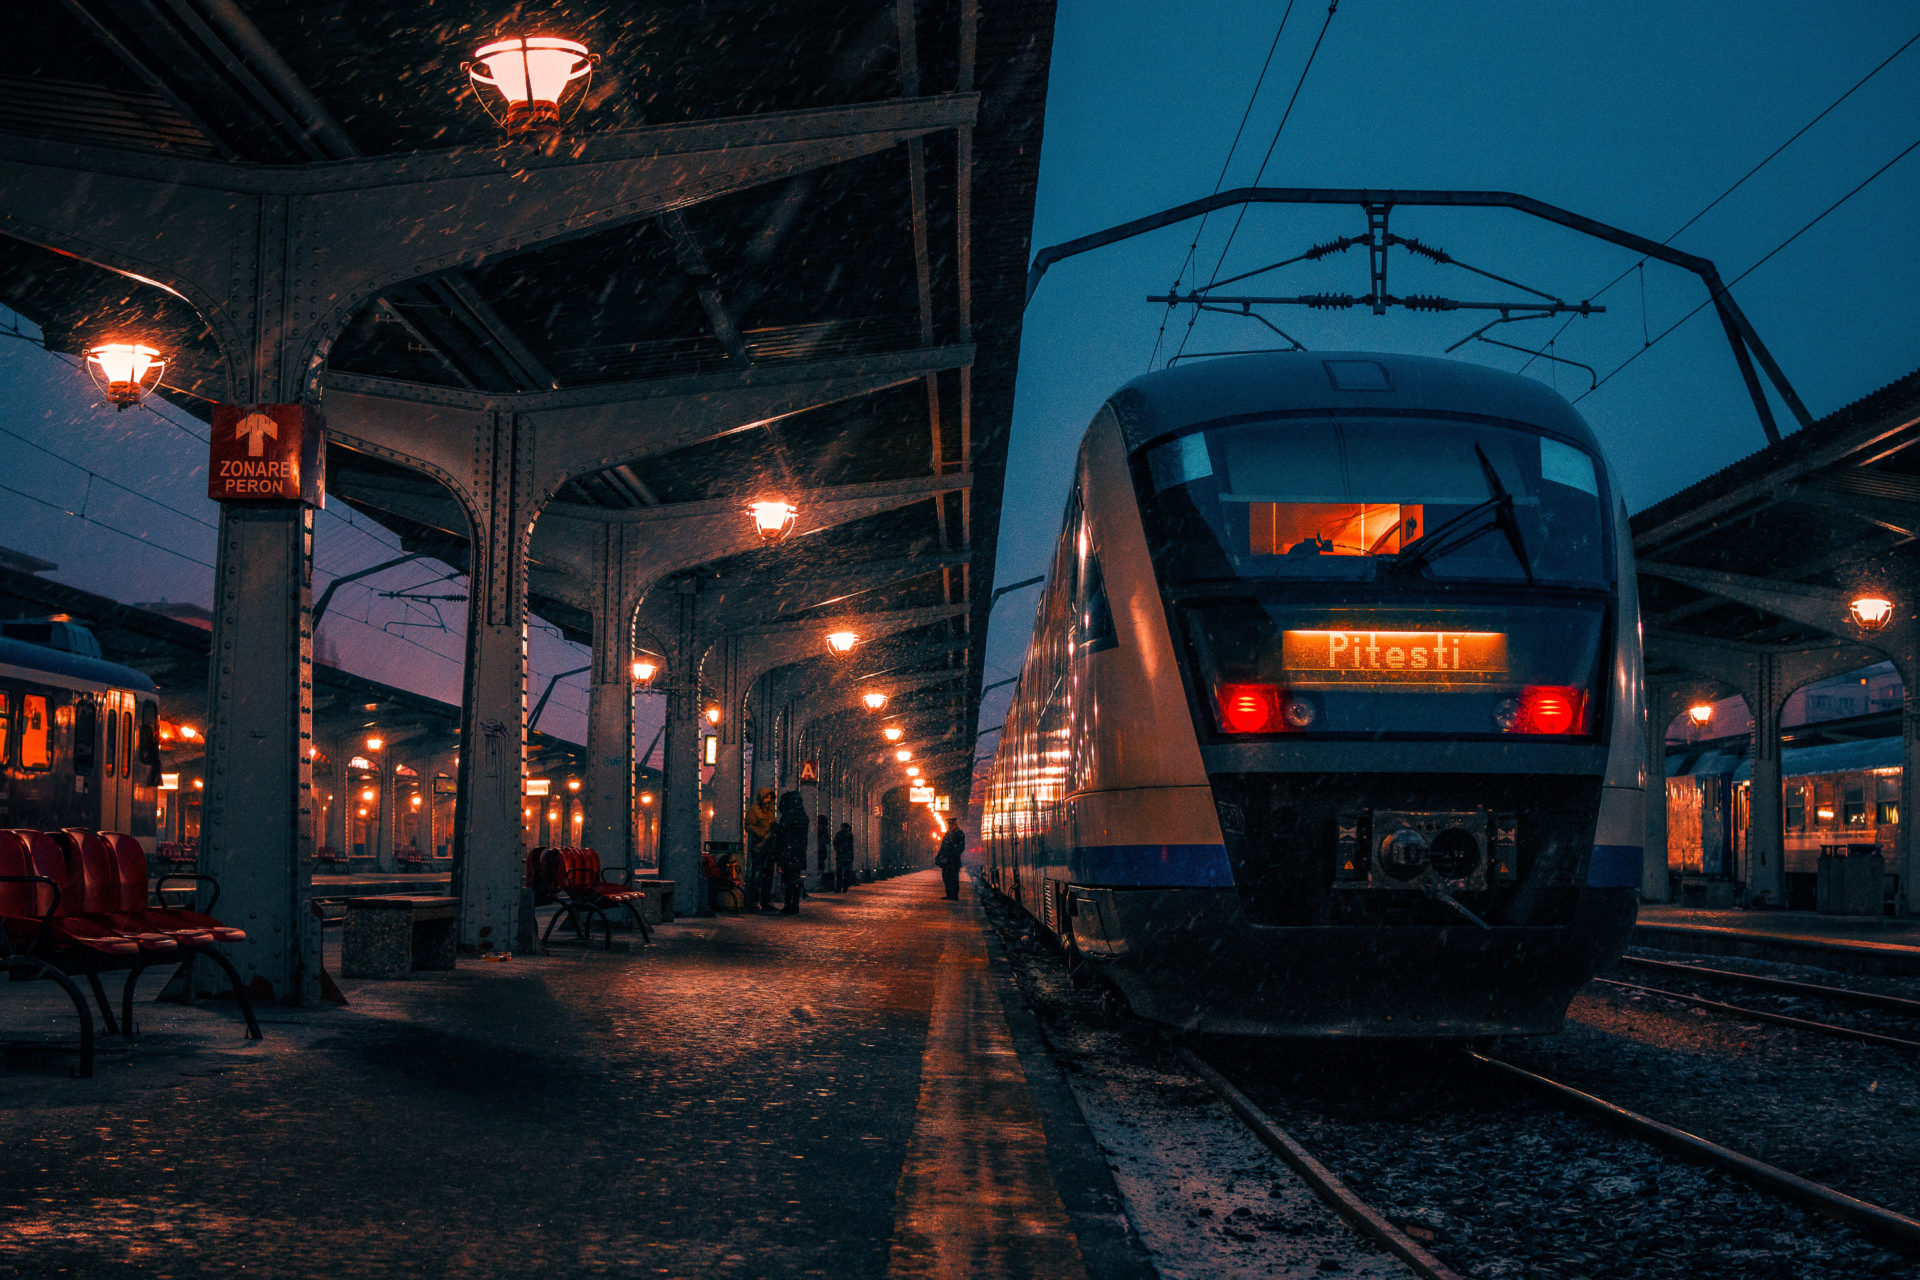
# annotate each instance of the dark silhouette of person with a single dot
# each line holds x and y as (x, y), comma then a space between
(790, 849)
(843, 855)
(948, 859)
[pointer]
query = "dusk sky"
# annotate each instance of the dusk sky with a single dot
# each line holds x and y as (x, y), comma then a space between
(1638, 115)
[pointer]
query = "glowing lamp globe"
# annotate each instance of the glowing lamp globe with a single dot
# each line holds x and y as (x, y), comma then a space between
(125, 371)
(903, 755)
(644, 670)
(646, 797)
(530, 74)
(842, 642)
(1871, 612)
(374, 744)
(874, 700)
(773, 519)
(1700, 713)
(573, 784)
(892, 733)
(913, 771)
(713, 715)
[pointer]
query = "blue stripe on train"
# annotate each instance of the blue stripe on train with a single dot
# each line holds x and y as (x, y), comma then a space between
(1614, 866)
(1151, 864)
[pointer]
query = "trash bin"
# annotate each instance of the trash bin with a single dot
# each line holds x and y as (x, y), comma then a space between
(1850, 884)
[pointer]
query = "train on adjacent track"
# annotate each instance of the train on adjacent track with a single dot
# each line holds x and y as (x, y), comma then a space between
(79, 736)
(1332, 720)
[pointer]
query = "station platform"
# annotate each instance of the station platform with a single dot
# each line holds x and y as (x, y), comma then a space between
(1878, 945)
(849, 1092)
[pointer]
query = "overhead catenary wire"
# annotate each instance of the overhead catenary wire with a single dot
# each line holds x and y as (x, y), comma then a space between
(1736, 185)
(1764, 259)
(1193, 246)
(1298, 85)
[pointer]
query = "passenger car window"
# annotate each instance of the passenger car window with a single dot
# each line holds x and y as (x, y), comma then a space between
(150, 741)
(113, 744)
(6, 725)
(86, 729)
(36, 733)
(126, 744)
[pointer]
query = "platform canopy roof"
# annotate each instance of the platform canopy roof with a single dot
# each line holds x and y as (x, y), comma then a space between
(1763, 555)
(858, 259)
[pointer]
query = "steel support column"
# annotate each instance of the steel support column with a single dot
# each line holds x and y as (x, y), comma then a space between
(487, 870)
(1766, 831)
(680, 766)
(257, 820)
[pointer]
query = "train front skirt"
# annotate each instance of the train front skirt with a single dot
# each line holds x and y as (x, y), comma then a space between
(1191, 959)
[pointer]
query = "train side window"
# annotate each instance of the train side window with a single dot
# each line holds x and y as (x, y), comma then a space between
(1889, 813)
(1096, 614)
(150, 741)
(126, 744)
(1853, 805)
(36, 733)
(6, 725)
(113, 745)
(86, 729)
(1796, 808)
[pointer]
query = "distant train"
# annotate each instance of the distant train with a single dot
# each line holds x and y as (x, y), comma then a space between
(1331, 723)
(1836, 798)
(79, 736)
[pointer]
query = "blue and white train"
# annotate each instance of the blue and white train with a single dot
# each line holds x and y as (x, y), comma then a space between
(1332, 723)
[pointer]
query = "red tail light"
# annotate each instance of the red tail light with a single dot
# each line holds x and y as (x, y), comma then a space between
(1550, 709)
(1251, 708)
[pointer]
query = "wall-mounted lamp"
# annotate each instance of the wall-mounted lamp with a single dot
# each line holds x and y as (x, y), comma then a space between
(125, 371)
(1871, 612)
(773, 518)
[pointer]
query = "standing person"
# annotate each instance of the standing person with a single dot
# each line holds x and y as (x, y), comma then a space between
(760, 822)
(791, 849)
(823, 848)
(948, 860)
(843, 856)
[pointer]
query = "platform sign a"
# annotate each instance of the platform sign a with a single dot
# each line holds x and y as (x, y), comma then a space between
(265, 453)
(809, 773)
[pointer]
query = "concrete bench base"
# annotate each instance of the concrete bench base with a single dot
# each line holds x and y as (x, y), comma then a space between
(390, 937)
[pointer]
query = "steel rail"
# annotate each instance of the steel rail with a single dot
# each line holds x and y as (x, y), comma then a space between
(1882, 1224)
(1363, 1217)
(1761, 1015)
(1865, 999)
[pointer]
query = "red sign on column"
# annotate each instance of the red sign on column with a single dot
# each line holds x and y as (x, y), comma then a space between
(265, 453)
(809, 772)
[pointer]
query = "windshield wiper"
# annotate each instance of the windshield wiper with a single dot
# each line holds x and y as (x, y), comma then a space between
(1464, 529)
(1509, 523)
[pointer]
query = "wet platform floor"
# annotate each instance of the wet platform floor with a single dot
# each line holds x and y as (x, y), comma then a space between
(829, 1095)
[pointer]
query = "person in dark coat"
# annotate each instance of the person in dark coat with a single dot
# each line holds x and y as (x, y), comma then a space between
(790, 849)
(948, 859)
(843, 856)
(823, 850)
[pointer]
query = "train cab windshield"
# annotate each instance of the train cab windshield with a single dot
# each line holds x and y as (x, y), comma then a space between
(1359, 499)
(1384, 576)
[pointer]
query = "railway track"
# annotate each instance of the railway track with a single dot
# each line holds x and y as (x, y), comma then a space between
(1873, 1002)
(1885, 1227)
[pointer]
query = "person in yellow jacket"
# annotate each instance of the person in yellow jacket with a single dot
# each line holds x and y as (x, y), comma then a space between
(760, 819)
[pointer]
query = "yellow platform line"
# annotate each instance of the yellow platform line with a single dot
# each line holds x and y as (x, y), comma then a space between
(975, 1196)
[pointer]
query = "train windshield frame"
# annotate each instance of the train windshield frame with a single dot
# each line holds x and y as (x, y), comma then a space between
(1423, 498)
(1384, 576)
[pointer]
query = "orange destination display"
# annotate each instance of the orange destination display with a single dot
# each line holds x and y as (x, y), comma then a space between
(1439, 658)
